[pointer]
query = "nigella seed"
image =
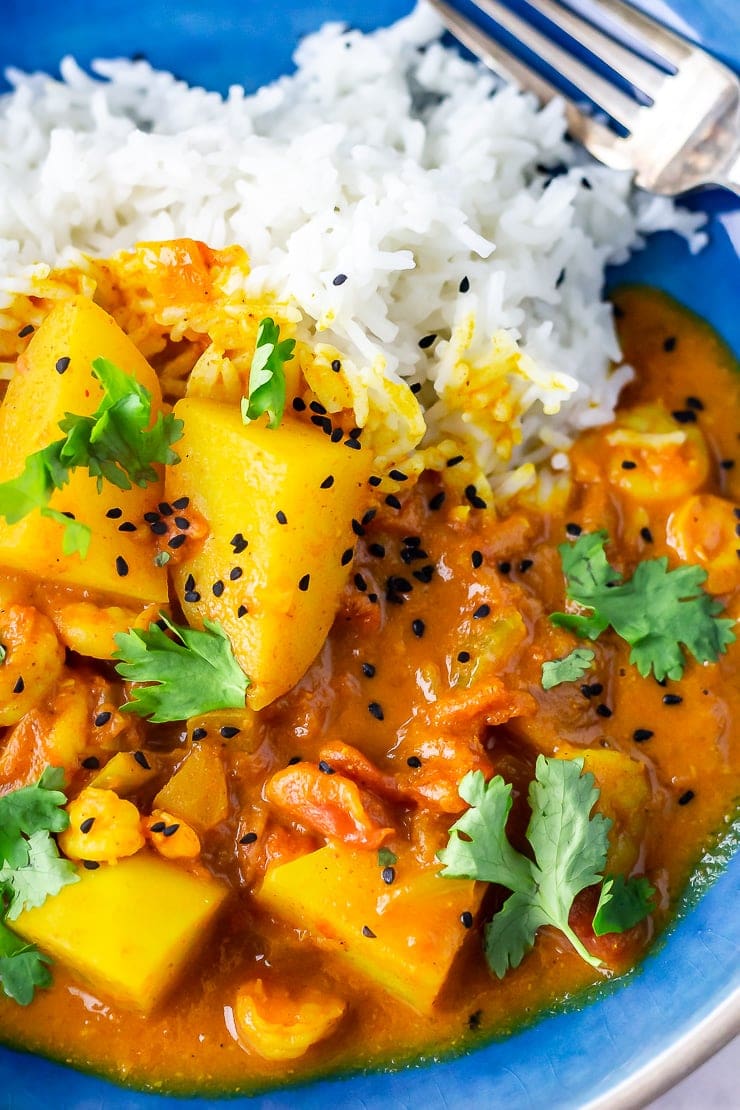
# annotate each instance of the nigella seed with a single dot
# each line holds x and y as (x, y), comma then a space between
(304, 583)
(413, 761)
(87, 824)
(19, 685)
(299, 405)
(640, 735)
(418, 627)
(242, 611)
(336, 365)
(472, 495)
(669, 344)
(377, 550)
(294, 759)
(181, 503)
(415, 387)
(357, 528)
(360, 583)
(464, 285)
(159, 528)
(603, 710)
(425, 574)
(336, 435)
(367, 932)
(170, 830)
(573, 529)
(374, 481)
(280, 517)
(165, 508)
(235, 573)
(466, 919)
(347, 556)
(368, 670)
(62, 364)
(318, 408)
(399, 585)
(672, 699)
(142, 760)
(339, 279)
(121, 566)
(114, 514)
(726, 464)
(182, 522)
(191, 596)
(477, 559)
(177, 541)
(326, 768)
(353, 443)
(229, 731)
(127, 526)
(102, 719)
(90, 864)
(158, 827)
(150, 518)
(647, 535)
(217, 588)
(455, 460)
(398, 476)
(426, 341)
(355, 433)
(628, 464)
(695, 403)
(437, 501)
(505, 567)
(189, 583)
(27, 330)
(392, 501)
(463, 656)
(322, 422)
(686, 797)
(376, 710)
(684, 416)
(524, 565)
(481, 611)
(248, 838)
(328, 482)
(388, 875)
(91, 763)
(199, 734)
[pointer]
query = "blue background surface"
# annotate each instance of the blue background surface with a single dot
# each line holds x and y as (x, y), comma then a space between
(566, 1058)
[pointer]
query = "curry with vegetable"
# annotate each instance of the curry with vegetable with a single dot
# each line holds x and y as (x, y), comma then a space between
(312, 762)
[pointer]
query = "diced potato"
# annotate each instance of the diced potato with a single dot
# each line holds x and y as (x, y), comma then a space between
(127, 930)
(37, 399)
(125, 774)
(197, 791)
(404, 936)
(264, 487)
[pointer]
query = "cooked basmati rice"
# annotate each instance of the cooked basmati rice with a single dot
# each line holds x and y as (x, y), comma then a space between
(455, 207)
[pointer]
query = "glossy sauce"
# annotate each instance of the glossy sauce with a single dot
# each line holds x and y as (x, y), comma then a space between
(378, 652)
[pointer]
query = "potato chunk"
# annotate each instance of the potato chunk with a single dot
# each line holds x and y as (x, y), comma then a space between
(280, 505)
(404, 936)
(37, 399)
(127, 930)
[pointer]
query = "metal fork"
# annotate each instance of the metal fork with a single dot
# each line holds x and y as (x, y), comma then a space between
(681, 128)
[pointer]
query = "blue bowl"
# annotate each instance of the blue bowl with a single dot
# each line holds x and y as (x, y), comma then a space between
(684, 1001)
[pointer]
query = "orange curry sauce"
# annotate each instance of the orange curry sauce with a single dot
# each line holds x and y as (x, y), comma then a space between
(405, 648)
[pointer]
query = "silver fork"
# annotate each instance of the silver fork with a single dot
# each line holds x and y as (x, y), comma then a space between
(688, 132)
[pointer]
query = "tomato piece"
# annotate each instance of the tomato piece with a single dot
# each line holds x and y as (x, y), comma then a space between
(330, 804)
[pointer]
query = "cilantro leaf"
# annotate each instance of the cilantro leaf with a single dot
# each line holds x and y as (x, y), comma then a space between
(656, 611)
(29, 810)
(568, 669)
(386, 858)
(22, 967)
(622, 904)
(115, 444)
(569, 846)
(191, 674)
(267, 375)
(44, 874)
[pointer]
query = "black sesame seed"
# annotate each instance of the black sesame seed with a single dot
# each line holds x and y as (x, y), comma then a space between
(181, 503)
(437, 501)
(121, 566)
(464, 285)
(91, 763)
(25, 331)
(573, 529)
(640, 735)
(684, 416)
(87, 824)
(418, 627)
(102, 719)
(426, 341)
(242, 611)
(114, 514)
(304, 583)
(299, 405)
(376, 710)
(339, 279)
(229, 731)
(248, 838)
(477, 559)
(176, 541)
(90, 864)
(336, 435)
(505, 567)
(170, 830)
(388, 875)
(686, 797)
(466, 918)
(318, 408)
(669, 344)
(377, 550)
(328, 482)
(374, 481)
(62, 364)
(165, 508)
(280, 517)
(367, 932)
(368, 670)
(191, 596)
(413, 761)
(235, 573)
(360, 583)
(628, 464)
(647, 535)
(392, 501)
(603, 710)
(524, 565)
(336, 365)
(354, 444)
(326, 768)
(463, 656)
(19, 685)
(159, 528)
(217, 588)
(672, 699)
(455, 460)
(481, 611)
(199, 734)
(142, 760)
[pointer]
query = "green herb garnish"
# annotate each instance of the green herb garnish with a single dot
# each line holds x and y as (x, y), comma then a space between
(31, 871)
(386, 858)
(622, 904)
(569, 847)
(267, 375)
(117, 444)
(568, 669)
(656, 611)
(191, 674)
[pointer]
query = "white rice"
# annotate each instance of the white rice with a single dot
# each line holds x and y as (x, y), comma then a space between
(387, 158)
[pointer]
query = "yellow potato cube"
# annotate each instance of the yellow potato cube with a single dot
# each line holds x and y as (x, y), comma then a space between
(126, 929)
(404, 936)
(279, 504)
(197, 792)
(37, 399)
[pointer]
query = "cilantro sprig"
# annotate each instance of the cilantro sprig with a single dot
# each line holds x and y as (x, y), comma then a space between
(117, 444)
(267, 375)
(569, 846)
(569, 669)
(31, 870)
(191, 673)
(656, 611)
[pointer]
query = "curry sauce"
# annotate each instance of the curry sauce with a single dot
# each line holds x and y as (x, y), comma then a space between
(433, 668)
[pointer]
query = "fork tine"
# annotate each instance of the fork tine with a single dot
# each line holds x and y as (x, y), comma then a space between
(660, 40)
(588, 131)
(643, 75)
(613, 101)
